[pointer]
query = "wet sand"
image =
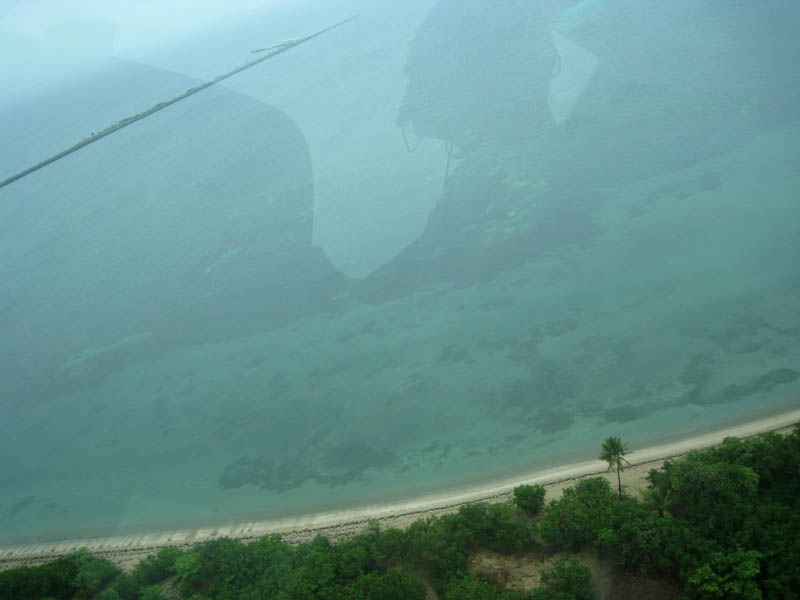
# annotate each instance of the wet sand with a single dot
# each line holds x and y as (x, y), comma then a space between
(128, 550)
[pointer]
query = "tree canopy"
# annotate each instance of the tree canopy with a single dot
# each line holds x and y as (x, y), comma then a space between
(613, 452)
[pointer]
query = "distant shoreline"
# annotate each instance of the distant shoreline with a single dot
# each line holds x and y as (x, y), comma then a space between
(128, 550)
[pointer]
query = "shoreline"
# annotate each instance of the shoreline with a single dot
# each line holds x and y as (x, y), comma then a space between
(126, 551)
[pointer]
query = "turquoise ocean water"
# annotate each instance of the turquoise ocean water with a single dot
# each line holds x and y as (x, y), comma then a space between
(258, 303)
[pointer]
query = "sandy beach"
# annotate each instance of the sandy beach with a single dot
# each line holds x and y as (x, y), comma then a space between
(128, 550)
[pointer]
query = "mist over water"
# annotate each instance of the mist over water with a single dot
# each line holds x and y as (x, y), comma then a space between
(441, 243)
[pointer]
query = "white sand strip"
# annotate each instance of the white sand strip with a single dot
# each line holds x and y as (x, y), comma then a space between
(127, 550)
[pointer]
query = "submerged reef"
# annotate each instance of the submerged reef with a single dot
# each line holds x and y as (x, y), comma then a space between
(343, 464)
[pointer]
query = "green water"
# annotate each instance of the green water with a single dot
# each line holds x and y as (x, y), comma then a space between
(186, 342)
(363, 403)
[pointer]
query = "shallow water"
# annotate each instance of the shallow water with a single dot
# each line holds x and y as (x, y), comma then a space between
(237, 308)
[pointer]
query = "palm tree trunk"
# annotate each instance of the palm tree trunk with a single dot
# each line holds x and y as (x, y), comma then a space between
(619, 482)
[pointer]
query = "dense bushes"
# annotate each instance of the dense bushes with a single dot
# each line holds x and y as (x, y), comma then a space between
(529, 498)
(569, 579)
(156, 567)
(441, 546)
(79, 575)
(731, 526)
(725, 522)
(468, 587)
(578, 518)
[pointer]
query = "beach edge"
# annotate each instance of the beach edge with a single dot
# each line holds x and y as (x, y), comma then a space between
(129, 549)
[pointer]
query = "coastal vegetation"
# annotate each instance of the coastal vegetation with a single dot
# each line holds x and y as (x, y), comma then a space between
(713, 524)
(613, 452)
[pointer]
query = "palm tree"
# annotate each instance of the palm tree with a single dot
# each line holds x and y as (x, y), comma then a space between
(660, 499)
(658, 496)
(613, 452)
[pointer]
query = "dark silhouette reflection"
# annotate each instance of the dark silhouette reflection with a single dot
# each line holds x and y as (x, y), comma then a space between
(203, 231)
(545, 110)
(192, 226)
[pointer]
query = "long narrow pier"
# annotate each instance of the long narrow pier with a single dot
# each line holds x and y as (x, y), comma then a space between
(280, 48)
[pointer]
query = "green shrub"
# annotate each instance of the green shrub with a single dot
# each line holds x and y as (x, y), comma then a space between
(391, 585)
(648, 543)
(110, 594)
(94, 573)
(569, 579)
(529, 498)
(79, 575)
(580, 515)
(125, 587)
(152, 592)
(730, 576)
(392, 543)
(468, 587)
(492, 526)
(217, 568)
(156, 567)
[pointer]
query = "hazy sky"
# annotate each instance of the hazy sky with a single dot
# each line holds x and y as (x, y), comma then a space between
(356, 72)
(139, 23)
(43, 41)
